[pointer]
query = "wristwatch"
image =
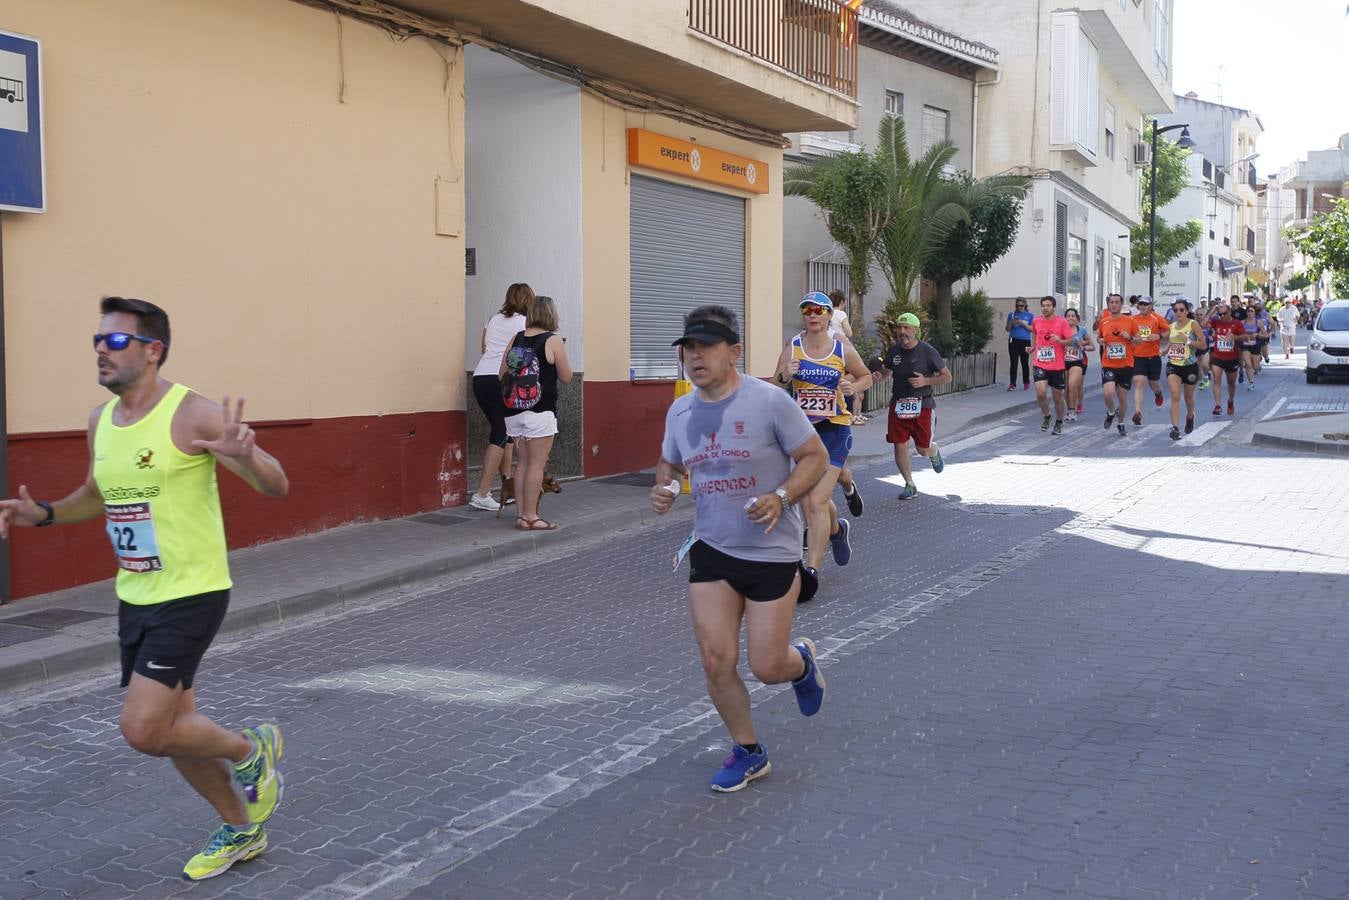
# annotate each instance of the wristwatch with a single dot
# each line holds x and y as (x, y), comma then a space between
(782, 495)
(51, 514)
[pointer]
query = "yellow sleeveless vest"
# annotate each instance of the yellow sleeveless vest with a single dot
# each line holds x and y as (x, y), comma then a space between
(162, 508)
(817, 384)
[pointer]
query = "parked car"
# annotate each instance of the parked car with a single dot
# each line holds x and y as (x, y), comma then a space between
(1328, 345)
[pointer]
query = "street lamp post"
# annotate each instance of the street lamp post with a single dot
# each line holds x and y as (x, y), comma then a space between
(1185, 143)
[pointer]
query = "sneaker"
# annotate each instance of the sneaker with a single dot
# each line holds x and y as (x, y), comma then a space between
(1251, 385)
(838, 542)
(1044, 423)
(1012, 386)
(1138, 418)
(1217, 410)
(810, 686)
(486, 503)
(1156, 399)
(1026, 386)
(739, 769)
(1069, 416)
(1189, 424)
(1120, 429)
(910, 491)
(223, 849)
(810, 584)
(1231, 408)
(1175, 433)
(1079, 409)
(854, 501)
(1057, 429)
(1204, 384)
(259, 778)
(1109, 418)
(1241, 377)
(937, 462)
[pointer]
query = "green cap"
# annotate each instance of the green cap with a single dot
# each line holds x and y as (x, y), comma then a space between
(907, 318)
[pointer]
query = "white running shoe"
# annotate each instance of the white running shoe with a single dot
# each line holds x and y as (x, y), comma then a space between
(486, 503)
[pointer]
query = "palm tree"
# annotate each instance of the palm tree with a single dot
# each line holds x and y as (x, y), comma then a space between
(924, 207)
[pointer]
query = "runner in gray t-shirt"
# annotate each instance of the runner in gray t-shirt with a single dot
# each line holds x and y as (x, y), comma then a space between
(737, 438)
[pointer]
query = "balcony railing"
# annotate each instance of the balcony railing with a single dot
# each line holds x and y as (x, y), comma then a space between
(815, 39)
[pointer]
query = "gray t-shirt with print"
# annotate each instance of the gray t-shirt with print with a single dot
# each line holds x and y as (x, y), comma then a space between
(736, 449)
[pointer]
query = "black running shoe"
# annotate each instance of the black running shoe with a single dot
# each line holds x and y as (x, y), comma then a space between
(1120, 429)
(1138, 418)
(1044, 424)
(1189, 424)
(1175, 433)
(810, 584)
(1058, 428)
(854, 501)
(1109, 417)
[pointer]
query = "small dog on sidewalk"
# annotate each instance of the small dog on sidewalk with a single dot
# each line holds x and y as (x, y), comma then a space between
(549, 486)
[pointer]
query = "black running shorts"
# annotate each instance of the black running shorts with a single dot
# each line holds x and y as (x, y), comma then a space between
(1148, 366)
(1187, 374)
(1227, 365)
(1121, 377)
(166, 641)
(1055, 377)
(757, 581)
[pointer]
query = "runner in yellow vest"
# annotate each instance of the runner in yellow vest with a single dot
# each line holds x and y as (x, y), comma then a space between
(152, 478)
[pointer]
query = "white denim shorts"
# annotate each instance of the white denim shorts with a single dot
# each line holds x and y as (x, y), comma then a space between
(530, 424)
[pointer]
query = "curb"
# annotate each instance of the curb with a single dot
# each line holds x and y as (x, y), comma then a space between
(76, 660)
(1324, 448)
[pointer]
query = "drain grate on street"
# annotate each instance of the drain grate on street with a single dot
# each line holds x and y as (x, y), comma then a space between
(56, 617)
(1329, 405)
(17, 634)
(443, 519)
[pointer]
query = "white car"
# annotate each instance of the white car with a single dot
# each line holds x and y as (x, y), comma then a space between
(1328, 345)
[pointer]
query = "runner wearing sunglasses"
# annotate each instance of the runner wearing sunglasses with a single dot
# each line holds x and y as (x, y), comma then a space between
(1116, 331)
(1150, 328)
(823, 371)
(1226, 356)
(1184, 343)
(152, 477)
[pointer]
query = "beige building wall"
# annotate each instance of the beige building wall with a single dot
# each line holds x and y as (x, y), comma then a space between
(268, 179)
(604, 221)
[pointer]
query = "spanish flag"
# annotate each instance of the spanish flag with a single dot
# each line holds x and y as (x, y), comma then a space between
(847, 21)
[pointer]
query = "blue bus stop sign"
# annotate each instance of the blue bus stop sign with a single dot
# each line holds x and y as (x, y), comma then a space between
(23, 177)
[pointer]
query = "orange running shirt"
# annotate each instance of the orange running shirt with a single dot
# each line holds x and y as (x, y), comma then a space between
(1116, 334)
(1150, 325)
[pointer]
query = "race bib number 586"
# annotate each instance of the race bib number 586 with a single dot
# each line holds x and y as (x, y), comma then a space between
(131, 527)
(908, 407)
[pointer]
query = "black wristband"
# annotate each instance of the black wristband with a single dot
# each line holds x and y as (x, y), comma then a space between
(51, 514)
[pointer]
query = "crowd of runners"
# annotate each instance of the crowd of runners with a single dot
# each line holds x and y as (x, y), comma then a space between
(762, 461)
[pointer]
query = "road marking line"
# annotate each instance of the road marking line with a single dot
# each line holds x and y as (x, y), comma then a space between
(979, 439)
(1203, 434)
(1270, 414)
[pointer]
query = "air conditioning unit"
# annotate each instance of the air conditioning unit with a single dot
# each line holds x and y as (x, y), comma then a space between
(1141, 153)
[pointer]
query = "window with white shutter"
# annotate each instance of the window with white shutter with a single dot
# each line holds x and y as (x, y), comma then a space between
(1062, 79)
(936, 126)
(1074, 87)
(1060, 248)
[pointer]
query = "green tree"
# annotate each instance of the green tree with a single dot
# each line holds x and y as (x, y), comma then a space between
(852, 191)
(1172, 240)
(1326, 243)
(923, 211)
(1298, 282)
(972, 246)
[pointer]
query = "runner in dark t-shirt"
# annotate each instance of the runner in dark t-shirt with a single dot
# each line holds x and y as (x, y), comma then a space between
(915, 367)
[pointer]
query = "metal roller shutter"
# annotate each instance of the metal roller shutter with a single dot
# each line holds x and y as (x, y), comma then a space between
(687, 249)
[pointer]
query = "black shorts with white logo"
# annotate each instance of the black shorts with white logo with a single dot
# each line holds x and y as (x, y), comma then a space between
(1187, 374)
(1148, 366)
(1055, 377)
(1121, 377)
(757, 581)
(166, 641)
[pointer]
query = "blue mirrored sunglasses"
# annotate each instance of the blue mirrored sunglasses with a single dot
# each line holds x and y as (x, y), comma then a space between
(120, 340)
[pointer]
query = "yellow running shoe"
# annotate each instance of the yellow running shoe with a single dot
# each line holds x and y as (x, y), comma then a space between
(259, 778)
(224, 848)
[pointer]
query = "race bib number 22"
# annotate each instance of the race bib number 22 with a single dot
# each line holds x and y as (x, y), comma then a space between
(131, 527)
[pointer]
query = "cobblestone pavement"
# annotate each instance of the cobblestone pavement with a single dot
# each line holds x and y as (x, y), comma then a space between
(1086, 666)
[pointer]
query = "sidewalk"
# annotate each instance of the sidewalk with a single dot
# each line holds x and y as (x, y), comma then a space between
(56, 635)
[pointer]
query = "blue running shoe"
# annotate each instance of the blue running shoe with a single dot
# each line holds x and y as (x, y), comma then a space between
(910, 491)
(739, 769)
(810, 686)
(936, 460)
(838, 542)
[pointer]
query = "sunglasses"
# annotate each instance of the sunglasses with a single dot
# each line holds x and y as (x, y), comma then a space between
(815, 311)
(120, 340)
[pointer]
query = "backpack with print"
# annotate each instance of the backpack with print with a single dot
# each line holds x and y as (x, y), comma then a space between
(520, 388)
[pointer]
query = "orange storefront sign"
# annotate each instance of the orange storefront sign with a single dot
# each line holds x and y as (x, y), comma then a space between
(666, 154)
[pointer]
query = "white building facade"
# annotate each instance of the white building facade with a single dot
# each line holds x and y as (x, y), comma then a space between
(1077, 82)
(1207, 269)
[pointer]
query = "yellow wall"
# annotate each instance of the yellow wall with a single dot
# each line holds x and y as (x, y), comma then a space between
(604, 224)
(198, 157)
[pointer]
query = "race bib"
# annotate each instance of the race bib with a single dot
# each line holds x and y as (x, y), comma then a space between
(1177, 351)
(1116, 351)
(908, 407)
(131, 527)
(817, 402)
(1044, 354)
(1145, 332)
(1072, 353)
(1226, 344)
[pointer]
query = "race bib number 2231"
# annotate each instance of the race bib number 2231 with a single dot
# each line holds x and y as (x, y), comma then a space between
(131, 527)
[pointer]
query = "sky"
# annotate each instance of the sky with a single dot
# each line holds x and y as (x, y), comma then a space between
(1284, 61)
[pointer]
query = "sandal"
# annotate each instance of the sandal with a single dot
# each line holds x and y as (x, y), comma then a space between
(537, 524)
